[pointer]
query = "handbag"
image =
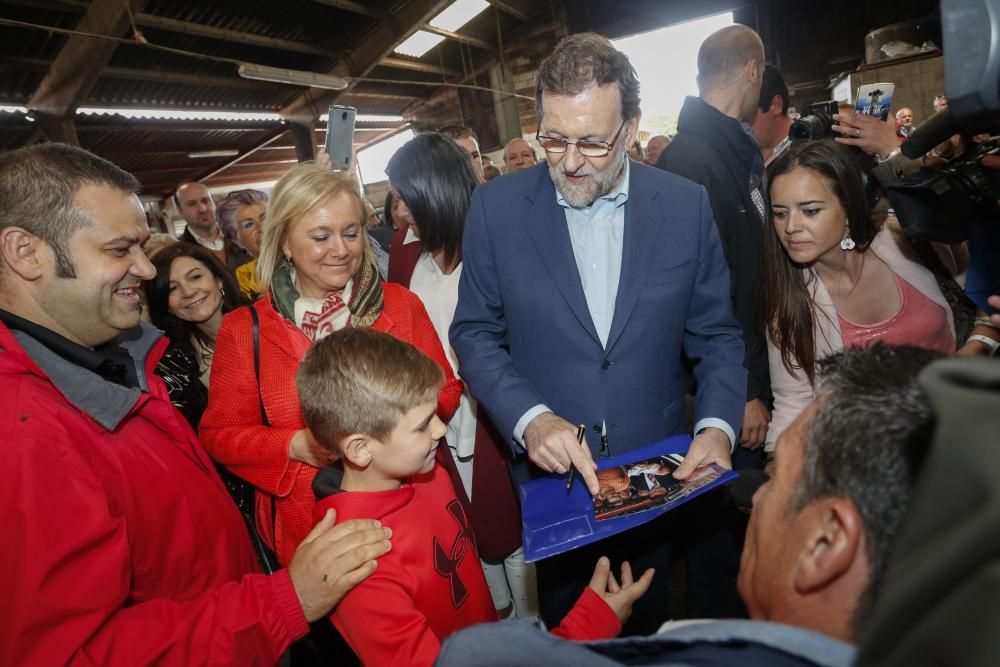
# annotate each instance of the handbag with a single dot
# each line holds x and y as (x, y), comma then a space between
(242, 491)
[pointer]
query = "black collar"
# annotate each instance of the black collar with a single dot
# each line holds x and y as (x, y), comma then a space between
(111, 361)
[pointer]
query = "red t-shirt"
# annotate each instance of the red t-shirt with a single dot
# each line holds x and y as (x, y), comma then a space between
(431, 583)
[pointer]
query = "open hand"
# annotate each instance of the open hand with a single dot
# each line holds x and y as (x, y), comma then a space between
(622, 597)
(709, 446)
(334, 559)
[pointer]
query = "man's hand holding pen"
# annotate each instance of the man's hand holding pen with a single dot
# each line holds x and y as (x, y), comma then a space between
(552, 446)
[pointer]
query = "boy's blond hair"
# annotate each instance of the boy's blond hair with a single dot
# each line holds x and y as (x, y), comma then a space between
(358, 380)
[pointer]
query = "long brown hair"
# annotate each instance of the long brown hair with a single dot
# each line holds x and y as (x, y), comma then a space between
(786, 311)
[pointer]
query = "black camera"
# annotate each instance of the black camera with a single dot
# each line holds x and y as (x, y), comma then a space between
(943, 204)
(816, 122)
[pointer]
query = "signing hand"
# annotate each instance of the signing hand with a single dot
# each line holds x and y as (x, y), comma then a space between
(334, 559)
(552, 446)
(619, 598)
(756, 417)
(709, 446)
(873, 136)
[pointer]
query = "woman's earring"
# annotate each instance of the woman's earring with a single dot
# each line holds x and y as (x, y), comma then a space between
(222, 291)
(847, 243)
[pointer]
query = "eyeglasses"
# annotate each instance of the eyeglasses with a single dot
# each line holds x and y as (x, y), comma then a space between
(585, 148)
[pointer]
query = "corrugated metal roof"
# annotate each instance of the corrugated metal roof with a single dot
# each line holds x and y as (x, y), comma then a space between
(316, 37)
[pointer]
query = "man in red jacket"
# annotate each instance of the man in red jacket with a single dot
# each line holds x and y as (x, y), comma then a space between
(122, 544)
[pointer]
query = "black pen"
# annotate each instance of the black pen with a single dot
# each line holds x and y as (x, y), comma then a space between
(572, 469)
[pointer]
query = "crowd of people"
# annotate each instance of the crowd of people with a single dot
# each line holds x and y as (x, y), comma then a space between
(383, 386)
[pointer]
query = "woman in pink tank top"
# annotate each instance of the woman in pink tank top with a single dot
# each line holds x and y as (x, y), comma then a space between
(834, 274)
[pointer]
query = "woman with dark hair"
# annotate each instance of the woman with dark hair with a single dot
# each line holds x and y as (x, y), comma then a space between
(241, 217)
(432, 181)
(188, 297)
(837, 272)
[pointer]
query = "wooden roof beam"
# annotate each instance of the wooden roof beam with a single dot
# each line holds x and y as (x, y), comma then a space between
(75, 70)
(460, 38)
(417, 66)
(508, 9)
(351, 6)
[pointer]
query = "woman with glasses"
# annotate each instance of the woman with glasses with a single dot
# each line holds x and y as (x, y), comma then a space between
(241, 217)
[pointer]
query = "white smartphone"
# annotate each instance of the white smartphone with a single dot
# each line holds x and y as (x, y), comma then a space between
(340, 135)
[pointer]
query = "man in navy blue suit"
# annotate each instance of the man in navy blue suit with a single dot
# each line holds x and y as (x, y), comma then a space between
(589, 284)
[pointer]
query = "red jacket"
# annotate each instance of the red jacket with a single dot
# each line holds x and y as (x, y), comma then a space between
(430, 584)
(122, 545)
(232, 429)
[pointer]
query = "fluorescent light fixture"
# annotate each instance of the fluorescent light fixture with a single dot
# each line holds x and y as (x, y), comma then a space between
(5, 108)
(419, 43)
(179, 114)
(292, 76)
(371, 118)
(458, 14)
(224, 152)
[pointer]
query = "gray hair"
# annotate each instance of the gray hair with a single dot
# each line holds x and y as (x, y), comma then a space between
(234, 201)
(866, 441)
(582, 60)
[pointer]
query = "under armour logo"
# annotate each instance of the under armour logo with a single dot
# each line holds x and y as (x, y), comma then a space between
(447, 563)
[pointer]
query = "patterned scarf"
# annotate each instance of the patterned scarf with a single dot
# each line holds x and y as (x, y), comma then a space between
(364, 303)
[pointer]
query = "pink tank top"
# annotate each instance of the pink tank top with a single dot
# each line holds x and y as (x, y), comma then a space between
(919, 321)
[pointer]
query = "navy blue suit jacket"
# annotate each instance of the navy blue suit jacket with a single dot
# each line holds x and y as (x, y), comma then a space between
(524, 335)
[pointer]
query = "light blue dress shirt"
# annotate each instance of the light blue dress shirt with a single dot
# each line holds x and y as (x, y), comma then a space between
(597, 233)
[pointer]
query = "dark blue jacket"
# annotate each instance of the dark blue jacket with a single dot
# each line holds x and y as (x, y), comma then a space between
(524, 334)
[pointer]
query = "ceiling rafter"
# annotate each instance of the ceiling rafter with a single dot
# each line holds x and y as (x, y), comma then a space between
(359, 62)
(460, 38)
(351, 6)
(417, 66)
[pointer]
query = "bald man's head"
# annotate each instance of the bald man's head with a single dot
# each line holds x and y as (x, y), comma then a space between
(724, 54)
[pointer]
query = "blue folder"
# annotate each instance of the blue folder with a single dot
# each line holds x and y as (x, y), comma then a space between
(554, 521)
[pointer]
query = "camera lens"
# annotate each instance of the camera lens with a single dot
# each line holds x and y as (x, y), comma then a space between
(809, 127)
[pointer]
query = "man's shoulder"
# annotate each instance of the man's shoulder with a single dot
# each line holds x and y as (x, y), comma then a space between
(524, 182)
(644, 176)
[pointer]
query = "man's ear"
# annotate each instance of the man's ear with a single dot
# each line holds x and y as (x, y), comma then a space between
(23, 252)
(632, 131)
(834, 539)
(357, 450)
(776, 104)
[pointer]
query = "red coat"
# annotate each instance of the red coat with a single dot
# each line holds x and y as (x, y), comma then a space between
(430, 584)
(122, 547)
(232, 429)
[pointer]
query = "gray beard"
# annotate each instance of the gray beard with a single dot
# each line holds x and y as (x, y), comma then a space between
(600, 183)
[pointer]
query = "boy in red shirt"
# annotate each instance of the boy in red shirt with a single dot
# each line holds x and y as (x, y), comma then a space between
(371, 399)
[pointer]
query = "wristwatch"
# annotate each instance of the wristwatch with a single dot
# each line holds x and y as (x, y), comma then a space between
(987, 341)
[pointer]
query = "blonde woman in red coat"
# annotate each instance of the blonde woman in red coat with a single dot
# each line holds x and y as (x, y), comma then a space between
(317, 276)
